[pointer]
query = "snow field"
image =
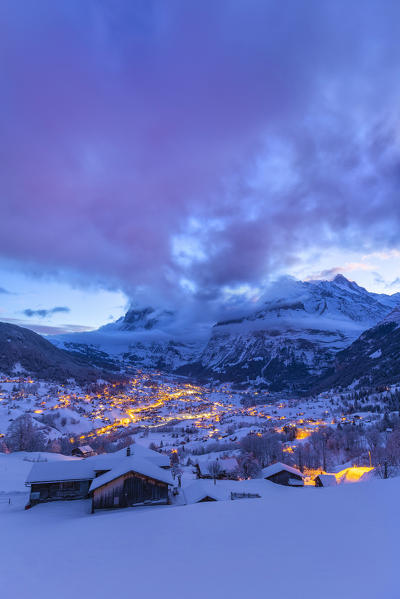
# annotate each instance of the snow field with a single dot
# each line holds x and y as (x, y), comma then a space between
(293, 543)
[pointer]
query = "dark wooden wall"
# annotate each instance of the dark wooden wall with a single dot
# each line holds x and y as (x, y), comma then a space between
(43, 492)
(129, 490)
(282, 478)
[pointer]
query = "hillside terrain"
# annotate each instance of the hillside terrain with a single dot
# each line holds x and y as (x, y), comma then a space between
(26, 353)
(372, 360)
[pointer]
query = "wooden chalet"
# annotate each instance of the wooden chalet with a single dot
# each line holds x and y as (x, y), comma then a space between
(282, 474)
(54, 481)
(325, 480)
(84, 451)
(131, 483)
(74, 478)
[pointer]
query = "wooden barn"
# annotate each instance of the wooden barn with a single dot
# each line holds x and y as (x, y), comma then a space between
(72, 478)
(55, 481)
(325, 480)
(282, 474)
(84, 451)
(130, 484)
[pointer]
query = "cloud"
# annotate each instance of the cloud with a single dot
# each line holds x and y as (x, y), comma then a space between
(395, 283)
(384, 255)
(45, 313)
(43, 329)
(379, 279)
(330, 273)
(178, 149)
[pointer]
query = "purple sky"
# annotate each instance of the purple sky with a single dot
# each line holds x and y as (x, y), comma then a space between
(171, 148)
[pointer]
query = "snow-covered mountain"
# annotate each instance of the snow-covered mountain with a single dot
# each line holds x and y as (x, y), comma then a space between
(145, 319)
(287, 341)
(290, 340)
(372, 360)
(147, 337)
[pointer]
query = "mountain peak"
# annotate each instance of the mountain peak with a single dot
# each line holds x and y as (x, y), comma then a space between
(143, 318)
(339, 278)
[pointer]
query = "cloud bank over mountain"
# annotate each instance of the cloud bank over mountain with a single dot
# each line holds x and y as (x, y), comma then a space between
(197, 147)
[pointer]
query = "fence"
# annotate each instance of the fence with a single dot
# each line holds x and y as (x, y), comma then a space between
(245, 496)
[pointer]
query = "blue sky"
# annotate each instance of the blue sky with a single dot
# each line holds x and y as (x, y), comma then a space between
(84, 308)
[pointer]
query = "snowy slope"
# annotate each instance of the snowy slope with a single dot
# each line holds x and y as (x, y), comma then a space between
(307, 543)
(372, 360)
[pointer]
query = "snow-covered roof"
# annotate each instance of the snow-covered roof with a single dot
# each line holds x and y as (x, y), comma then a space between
(328, 480)
(85, 448)
(141, 451)
(78, 469)
(199, 489)
(279, 467)
(229, 464)
(85, 469)
(132, 464)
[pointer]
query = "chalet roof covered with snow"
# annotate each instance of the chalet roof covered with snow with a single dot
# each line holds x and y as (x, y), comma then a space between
(85, 448)
(279, 467)
(229, 464)
(141, 451)
(200, 489)
(78, 469)
(85, 469)
(327, 480)
(132, 464)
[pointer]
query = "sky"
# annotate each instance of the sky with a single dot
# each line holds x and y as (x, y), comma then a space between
(188, 153)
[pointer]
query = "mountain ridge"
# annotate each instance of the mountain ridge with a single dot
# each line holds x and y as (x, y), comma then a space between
(23, 351)
(289, 340)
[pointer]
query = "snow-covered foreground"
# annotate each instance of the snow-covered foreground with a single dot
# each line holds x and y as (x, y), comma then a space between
(293, 543)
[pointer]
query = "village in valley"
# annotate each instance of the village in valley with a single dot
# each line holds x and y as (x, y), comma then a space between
(161, 465)
(211, 441)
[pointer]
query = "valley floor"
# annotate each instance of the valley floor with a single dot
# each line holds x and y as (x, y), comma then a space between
(294, 543)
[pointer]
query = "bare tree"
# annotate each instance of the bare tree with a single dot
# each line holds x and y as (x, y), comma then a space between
(23, 435)
(265, 448)
(214, 468)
